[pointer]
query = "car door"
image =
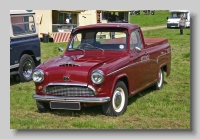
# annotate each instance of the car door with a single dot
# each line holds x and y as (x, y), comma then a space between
(140, 60)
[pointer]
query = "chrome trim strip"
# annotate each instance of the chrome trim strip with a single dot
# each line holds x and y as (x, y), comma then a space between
(72, 99)
(14, 66)
(156, 61)
(38, 58)
(95, 93)
(124, 68)
(70, 84)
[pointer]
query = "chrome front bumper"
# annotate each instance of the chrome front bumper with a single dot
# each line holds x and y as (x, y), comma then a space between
(72, 99)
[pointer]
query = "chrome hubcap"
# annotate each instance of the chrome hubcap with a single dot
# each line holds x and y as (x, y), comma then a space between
(27, 69)
(118, 99)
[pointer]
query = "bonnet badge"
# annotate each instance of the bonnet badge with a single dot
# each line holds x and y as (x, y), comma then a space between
(66, 78)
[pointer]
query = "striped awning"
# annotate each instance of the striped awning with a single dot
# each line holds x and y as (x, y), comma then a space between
(62, 36)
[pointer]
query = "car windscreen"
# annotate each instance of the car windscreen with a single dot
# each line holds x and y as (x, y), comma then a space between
(104, 39)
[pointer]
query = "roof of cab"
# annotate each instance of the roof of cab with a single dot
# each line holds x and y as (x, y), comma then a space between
(21, 11)
(109, 25)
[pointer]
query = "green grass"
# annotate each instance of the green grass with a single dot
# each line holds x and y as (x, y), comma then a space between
(150, 20)
(168, 108)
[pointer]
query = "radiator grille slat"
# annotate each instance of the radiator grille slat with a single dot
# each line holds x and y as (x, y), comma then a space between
(69, 91)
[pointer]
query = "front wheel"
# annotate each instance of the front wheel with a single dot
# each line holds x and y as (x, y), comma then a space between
(118, 104)
(160, 79)
(26, 67)
(43, 106)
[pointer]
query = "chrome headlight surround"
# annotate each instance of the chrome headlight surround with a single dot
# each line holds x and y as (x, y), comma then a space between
(97, 76)
(38, 75)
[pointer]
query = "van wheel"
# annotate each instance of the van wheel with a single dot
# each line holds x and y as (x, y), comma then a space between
(118, 104)
(160, 80)
(26, 67)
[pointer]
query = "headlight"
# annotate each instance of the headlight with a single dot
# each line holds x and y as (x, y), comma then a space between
(38, 76)
(97, 76)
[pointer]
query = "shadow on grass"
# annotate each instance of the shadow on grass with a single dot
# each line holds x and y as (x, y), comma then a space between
(183, 34)
(97, 110)
(142, 94)
(85, 111)
(13, 81)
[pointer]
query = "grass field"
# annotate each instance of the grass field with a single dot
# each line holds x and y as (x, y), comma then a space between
(150, 20)
(168, 108)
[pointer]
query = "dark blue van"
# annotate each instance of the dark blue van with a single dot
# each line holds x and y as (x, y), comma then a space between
(25, 52)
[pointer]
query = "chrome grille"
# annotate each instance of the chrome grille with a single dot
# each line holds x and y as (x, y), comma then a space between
(69, 91)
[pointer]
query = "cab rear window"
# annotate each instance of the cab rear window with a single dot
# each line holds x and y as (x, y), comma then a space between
(23, 24)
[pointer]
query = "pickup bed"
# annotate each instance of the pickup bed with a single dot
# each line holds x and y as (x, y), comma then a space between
(106, 65)
(150, 42)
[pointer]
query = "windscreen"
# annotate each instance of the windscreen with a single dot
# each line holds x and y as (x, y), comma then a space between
(106, 39)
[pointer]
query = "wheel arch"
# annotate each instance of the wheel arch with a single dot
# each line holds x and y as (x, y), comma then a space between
(122, 77)
(29, 52)
(166, 68)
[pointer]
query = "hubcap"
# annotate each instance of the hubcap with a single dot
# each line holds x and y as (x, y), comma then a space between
(118, 99)
(27, 69)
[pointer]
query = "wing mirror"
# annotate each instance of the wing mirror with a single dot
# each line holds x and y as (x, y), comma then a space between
(60, 49)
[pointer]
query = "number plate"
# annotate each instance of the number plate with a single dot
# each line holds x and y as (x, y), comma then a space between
(65, 105)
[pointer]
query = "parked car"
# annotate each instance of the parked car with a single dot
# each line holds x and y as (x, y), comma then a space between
(137, 12)
(25, 51)
(175, 16)
(97, 69)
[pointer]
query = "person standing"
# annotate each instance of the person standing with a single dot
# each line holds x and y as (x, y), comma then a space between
(182, 25)
(67, 20)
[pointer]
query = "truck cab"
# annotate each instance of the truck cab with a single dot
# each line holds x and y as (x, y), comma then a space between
(175, 16)
(25, 51)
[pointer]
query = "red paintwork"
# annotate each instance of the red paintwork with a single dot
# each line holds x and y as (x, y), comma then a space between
(138, 69)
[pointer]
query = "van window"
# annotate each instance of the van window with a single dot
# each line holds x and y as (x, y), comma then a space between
(23, 24)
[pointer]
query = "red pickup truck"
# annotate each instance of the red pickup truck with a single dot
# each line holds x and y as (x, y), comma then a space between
(103, 64)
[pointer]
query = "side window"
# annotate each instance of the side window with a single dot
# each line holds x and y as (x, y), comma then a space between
(23, 24)
(135, 40)
(75, 42)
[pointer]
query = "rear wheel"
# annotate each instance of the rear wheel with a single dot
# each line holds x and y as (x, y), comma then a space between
(118, 104)
(26, 67)
(160, 80)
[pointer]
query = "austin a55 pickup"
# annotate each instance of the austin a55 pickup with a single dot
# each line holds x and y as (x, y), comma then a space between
(103, 64)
